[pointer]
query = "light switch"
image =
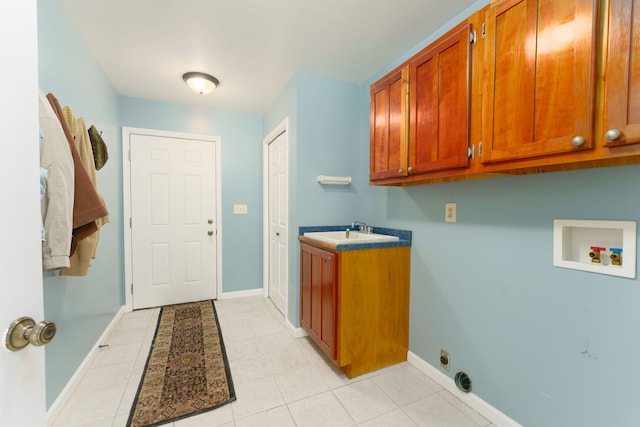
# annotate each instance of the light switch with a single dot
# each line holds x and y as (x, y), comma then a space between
(240, 209)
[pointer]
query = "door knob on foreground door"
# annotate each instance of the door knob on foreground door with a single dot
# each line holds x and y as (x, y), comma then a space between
(210, 232)
(24, 330)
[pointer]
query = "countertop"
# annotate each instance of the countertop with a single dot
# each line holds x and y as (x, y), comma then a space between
(403, 235)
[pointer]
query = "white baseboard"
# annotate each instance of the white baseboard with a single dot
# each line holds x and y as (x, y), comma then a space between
(295, 332)
(483, 408)
(56, 408)
(241, 294)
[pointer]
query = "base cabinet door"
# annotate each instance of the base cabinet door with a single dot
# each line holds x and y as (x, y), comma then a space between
(318, 297)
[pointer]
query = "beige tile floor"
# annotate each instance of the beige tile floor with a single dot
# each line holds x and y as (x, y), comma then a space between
(279, 381)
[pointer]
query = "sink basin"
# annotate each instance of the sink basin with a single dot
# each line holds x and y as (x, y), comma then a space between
(340, 237)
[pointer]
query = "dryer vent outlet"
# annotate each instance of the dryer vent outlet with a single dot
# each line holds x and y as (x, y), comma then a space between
(444, 360)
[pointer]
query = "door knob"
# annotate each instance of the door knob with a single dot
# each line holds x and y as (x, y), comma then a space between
(24, 330)
(210, 232)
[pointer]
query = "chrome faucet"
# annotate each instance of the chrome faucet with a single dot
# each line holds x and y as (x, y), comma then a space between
(362, 227)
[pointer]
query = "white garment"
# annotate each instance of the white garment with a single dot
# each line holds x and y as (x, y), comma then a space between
(43, 188)
(57, 203)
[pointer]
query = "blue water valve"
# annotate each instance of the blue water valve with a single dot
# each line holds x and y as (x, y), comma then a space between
(616, 256)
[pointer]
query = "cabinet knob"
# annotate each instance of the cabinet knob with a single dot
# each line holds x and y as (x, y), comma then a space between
(577, 141)
(400, 171)
(409, 169)
(612, 134)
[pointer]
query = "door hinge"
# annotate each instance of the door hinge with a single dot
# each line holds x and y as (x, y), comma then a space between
(471, 152)
(132, 289)
(484, 28)
(130, 222)
(129, 154)
(480, 149)
(472, 36)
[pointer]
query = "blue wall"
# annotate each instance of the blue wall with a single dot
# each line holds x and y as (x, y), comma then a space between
(323, 140)
(241, 136)
(545, 345)
(82, 307)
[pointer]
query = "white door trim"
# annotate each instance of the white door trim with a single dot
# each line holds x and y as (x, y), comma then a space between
(282, 127)
(126, 204)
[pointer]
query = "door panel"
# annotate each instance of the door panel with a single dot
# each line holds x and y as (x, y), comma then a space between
(540, 68)
(622, 104)
(439, 102)
(22, 374)
(388, 127)
(278, 221)
(172, 202)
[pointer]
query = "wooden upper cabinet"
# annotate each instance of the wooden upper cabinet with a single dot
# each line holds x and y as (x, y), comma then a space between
(539, 78)
(622, 83)
(388, 122)
(439, 99)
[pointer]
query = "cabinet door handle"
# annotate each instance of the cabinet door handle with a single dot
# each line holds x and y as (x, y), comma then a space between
(612, 134)
(400, 171)
(577, 141)
(409, 169)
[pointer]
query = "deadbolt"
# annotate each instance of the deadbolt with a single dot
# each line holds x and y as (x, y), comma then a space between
(210, 221)
(24, 330)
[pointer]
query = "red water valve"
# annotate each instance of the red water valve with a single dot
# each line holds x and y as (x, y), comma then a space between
(595, 253)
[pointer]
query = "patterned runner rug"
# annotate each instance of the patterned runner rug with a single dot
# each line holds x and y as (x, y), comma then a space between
(187, 371)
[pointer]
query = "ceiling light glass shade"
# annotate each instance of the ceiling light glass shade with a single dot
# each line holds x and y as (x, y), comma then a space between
(200, 82)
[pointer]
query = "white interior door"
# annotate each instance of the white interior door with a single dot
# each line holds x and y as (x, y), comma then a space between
(173, 226)
(278, 221)
(22, 373)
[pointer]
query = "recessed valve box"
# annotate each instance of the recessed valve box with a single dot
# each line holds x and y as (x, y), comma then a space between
(596, 246)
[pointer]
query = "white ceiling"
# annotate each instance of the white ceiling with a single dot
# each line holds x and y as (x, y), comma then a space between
(252, 46)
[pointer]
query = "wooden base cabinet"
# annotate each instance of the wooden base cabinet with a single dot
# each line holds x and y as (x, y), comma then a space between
(355, 304)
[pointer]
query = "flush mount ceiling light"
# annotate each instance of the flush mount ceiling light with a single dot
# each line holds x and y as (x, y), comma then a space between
(200, 82)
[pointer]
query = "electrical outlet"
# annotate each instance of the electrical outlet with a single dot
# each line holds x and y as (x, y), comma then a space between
(240, 209)
(450, 212)
(444, 359)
